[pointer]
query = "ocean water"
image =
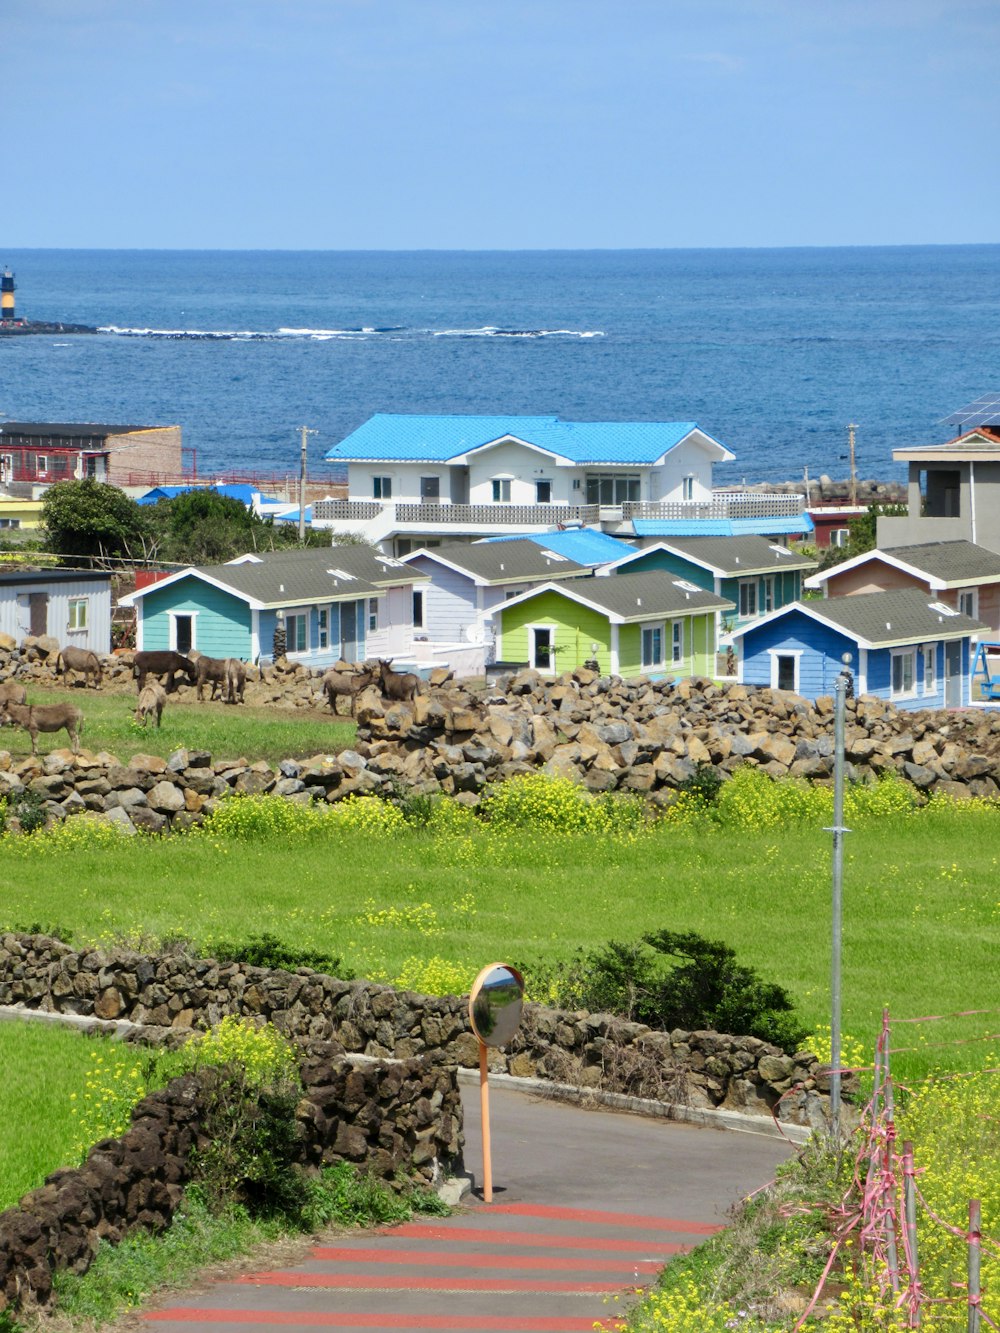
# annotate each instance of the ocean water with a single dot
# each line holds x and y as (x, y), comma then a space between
(771, 351)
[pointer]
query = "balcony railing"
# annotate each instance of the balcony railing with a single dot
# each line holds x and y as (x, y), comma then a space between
(356, 511)
(735, 504)
(508, 514)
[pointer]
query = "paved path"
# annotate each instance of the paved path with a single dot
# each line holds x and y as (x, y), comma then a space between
(587, 1206)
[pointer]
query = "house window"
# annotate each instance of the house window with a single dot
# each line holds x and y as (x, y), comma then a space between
(748, 598)
(785, 668)
(372, 614)
(41, 463)
(296, 639)
(904, 672)
(930, 668)
(652, 646)
(611, 489)
(418, 608)
(542, 641)
(768, 593)
(687, 488)
(430, 490)
(501, 490)
(677, 642)
(323, 626)
(543, 492)
(968, 603)
(382, 488)
(77, 613)
(840, 536)
(10, 522)
(6, 468)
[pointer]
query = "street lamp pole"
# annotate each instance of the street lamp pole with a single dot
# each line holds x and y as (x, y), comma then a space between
(306, 432)
(838, 831)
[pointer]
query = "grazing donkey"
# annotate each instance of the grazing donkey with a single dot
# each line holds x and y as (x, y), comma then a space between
(79, 659)
(44, 717)
(236, 681)
(397, 685)
(12, 691)
(152, 701)
(346, 684)
(211, 671)
(164, 664)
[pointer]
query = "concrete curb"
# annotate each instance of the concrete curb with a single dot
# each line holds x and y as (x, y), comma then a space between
(734, 1121)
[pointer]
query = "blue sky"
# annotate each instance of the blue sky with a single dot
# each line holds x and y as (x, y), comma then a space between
(498, 124)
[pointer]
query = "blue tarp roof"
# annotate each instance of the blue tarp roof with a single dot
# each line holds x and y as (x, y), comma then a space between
(397, 437)
(244, 493)
(583, 545)
(775, 526)
(293, 516)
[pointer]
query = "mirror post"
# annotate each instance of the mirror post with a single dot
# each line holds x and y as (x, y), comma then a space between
(484, 1109)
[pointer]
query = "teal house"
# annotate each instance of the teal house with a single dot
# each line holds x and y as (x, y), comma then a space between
(346, 602)
(754, 575)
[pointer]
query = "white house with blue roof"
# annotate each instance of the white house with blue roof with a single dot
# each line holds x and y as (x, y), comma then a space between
(413, 480)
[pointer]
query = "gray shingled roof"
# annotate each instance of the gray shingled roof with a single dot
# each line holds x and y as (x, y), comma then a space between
(948, 562)
(732, 557)
(629, 597)
(881, 619)
(361, 560)
(508, 562)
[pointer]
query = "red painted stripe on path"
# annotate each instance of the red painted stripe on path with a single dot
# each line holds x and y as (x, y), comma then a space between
(431, 1259)
(539, 1239)
(355, 1281)
(606, 1219)
(503, 1323)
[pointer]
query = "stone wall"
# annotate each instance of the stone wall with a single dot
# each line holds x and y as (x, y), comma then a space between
(699, 1069)
(385, 1117)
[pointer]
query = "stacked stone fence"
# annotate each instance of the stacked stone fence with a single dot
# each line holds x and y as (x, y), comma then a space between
(387, 1118)
(178, 993)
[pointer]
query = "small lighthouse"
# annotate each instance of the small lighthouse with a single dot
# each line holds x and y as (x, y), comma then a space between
(7, 296)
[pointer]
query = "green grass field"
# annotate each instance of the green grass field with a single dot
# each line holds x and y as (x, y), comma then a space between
(225, 731)
(921, 905)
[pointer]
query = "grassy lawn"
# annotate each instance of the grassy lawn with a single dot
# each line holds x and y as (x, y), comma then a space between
(225, 731)
(921, 913)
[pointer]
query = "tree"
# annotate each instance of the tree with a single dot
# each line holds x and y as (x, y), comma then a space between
(88, 519)
(201, 527)
(862, 533)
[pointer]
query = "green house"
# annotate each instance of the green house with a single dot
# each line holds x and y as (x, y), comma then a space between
(758, 576)
(631, 624)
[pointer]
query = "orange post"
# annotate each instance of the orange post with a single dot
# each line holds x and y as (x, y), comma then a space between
(484, 1105)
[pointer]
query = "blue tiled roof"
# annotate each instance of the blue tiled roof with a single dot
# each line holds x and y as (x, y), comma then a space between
(584, 545)
(765, 526)
(243, 493)
(389, 437)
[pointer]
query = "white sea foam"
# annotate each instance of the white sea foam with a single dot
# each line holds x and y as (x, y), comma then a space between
(359, 334)
(492, 331)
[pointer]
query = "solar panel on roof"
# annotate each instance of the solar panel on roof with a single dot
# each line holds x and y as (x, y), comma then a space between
(983, 411)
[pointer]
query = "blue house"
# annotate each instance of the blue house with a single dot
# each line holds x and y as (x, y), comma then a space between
(902, 646)
(346, 602)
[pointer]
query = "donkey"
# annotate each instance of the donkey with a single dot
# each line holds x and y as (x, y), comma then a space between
(164, 664)
(152, 701)
(211, 671)
(397, 685)
(236, 681)
(339, 684)
(44, 717)
(79, 659)
(12, 691)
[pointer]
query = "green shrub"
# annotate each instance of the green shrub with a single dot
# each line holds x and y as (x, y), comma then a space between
(704, 783)
(267, 950)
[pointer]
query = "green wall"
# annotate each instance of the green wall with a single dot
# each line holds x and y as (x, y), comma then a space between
(222, 622)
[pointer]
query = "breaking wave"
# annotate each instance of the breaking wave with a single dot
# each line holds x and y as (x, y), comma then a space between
(325, 335)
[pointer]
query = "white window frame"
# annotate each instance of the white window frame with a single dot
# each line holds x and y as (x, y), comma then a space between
(929, 652)
(677, 636)
(775, 655)
(748, 593)
(293, 617)
(531, 628)
(767, 604)
(41, 463)
(418, 608)
(193, 617)
(322, 627)
(968, 598)
(900, 655)
(539, 482)
(500, 490)
(381, 487)
(687, 487)
(77, 615)
(840, 537)
(372, 615)
(656, 629)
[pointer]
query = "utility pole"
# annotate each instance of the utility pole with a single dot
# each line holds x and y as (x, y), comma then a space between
(854, 475)
(306, 432)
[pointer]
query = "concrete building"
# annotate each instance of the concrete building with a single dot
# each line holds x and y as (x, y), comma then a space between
(34, 455)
